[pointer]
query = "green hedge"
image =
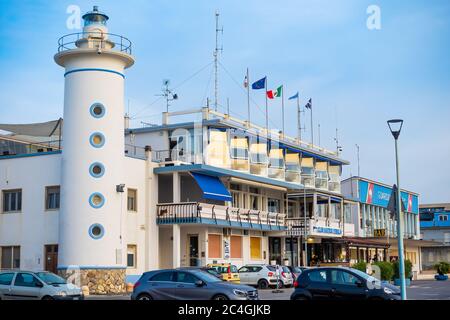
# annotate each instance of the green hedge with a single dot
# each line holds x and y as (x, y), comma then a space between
(386, 269)
(408, 269)
(361, 266)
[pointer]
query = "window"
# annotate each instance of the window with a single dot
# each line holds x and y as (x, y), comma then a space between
(236, 247)
(214, 246)
(321, 179)
(10, 257)
(12, 200)
(6, 278)
(318, 276)
(186, 277)
(163, 276)
(277, 162)
(273, 205)
(348, 213)
(239, 153)
(132, 200)
(26, 280)
(255, 248)
(344, 278)
(131, 256)
(443, 217)
(52, 196)
(254, 202)
(260, 158)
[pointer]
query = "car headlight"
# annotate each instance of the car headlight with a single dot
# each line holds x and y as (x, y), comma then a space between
(62, 293)
(239, 293)
(387, 290)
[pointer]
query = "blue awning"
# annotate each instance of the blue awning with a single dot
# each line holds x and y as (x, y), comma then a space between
(212, 187)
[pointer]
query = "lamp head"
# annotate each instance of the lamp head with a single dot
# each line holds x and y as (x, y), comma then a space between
(395, 125)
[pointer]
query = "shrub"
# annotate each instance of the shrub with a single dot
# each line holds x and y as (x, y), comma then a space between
(408, 269)
(442, 267)
(360, 265)
(386, 269)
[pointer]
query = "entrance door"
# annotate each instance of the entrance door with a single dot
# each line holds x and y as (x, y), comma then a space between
(193, 251)
(51, 257)
(292, 251)
(275, 249)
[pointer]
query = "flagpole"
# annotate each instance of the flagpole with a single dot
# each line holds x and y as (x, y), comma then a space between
(312, 127)
(267, 109)
(299, 124)
(248, 98)
(282, 106)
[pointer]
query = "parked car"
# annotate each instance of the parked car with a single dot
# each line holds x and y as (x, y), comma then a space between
(261, 275)
(227, 271)
(188, 284)
(286, 277)
(296, 271)
(341, 283)
(28, 285)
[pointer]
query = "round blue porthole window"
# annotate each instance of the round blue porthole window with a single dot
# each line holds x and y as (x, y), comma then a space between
(96, 200)
(97, 139)
(96, 231)
(97, 170)
(97, 110)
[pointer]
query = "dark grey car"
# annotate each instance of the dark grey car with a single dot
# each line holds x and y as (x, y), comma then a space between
(188, 284)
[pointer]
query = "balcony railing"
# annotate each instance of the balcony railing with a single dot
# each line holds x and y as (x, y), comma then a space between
(195, 212)
(296, 227)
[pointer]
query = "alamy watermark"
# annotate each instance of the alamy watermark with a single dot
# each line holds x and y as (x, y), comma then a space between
(373, 21)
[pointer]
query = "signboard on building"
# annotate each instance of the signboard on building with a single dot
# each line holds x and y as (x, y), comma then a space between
(226, 249)
(379, 232)
(325, 231)
(379, 195)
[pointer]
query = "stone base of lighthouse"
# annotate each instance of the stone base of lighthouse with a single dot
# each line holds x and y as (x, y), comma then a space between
(99, 281)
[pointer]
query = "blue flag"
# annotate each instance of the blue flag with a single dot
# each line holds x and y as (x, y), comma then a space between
(295, 96)
(260, 84)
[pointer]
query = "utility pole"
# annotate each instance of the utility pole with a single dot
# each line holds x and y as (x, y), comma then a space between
(216, 61)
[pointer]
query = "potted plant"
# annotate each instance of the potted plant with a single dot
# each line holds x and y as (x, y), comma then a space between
(408, 272)
(442, 268)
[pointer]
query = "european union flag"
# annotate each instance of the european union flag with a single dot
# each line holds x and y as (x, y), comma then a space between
(295, 96)
(260, 84)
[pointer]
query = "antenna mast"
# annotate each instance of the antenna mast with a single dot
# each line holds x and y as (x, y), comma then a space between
(216, 57)
(338, 147)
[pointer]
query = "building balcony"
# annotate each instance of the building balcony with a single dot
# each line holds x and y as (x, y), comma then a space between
(223, 216)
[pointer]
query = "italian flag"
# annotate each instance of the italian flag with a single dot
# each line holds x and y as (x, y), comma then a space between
(271, 94)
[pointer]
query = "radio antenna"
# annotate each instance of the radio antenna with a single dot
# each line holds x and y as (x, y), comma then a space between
(216, 61)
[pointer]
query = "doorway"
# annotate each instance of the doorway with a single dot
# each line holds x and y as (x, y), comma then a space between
(51, 257)
(193, 251)
(275, 249)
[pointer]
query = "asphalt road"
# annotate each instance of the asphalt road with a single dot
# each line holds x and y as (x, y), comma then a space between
(419, 290)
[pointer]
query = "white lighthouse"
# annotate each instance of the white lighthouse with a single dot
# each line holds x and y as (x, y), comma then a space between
(91, 217)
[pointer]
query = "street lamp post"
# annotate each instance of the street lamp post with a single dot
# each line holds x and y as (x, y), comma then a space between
(395, 125)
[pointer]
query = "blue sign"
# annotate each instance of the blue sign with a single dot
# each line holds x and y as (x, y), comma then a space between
(378, 195)
(327, 230)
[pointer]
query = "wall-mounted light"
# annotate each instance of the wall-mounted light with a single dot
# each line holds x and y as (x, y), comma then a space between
(120, 187)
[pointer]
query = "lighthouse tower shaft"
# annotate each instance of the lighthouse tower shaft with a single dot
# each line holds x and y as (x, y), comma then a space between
(91, 219)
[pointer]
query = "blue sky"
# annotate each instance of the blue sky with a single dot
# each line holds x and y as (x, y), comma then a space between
(358, 78)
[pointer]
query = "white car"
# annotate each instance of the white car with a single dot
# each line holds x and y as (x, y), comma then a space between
(28, 285)
(264, 276)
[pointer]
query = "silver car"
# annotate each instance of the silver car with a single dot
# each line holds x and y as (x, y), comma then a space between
(188, 284)
(261, 275)
(28, 285)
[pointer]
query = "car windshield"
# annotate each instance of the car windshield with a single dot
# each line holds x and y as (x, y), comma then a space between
(296, 269)
(272, 268)
(50, 278)
(367, 277)
(207, 277)
(286, 269)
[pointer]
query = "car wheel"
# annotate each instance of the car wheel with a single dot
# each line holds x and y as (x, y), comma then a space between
(263, 284)
(220, 297)
(144, 297)
(48, 298)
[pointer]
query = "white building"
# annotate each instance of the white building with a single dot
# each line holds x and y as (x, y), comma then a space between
(115, 202)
